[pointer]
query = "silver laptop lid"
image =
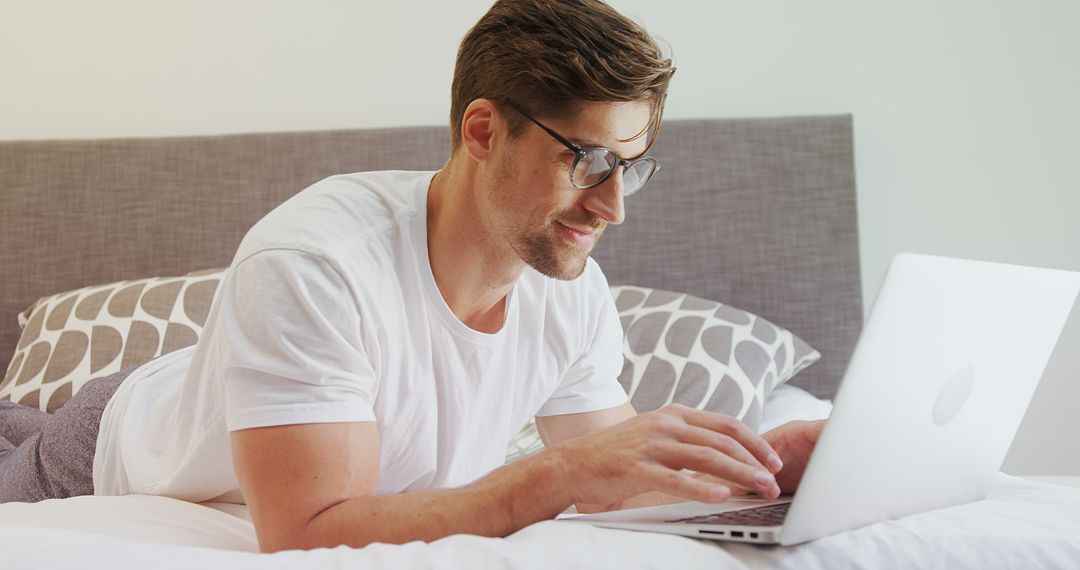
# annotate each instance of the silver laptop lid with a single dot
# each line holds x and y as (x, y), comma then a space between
(938, 383)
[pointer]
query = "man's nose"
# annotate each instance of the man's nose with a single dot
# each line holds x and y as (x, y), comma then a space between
(606, 200)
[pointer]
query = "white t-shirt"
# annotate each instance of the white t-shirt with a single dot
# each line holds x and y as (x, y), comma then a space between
(330, 313)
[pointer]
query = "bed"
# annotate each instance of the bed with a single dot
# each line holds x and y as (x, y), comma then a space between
(756, 213)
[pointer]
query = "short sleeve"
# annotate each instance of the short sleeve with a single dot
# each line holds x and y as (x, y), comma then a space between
(289, 343)
(592, 381)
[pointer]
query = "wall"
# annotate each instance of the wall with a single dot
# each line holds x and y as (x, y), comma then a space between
(967, 124)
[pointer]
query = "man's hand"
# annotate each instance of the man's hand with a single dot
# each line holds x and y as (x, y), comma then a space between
(794, 441)
(649, 453)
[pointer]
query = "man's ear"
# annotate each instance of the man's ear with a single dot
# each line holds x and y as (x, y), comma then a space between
(478, 127)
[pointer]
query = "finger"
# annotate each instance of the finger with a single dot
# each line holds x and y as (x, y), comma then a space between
(689, 433)
(680, 484)
(753, 442)
(708, 460)
(814, 431)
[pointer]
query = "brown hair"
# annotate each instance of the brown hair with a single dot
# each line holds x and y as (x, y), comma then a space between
(548, 56)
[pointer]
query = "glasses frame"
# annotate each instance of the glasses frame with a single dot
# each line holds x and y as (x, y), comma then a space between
(581, 152)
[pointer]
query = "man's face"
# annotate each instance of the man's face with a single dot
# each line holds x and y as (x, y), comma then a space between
(551, 224)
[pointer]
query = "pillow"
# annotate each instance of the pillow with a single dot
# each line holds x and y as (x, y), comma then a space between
(684, 349)
(72, 337)
(678, 348)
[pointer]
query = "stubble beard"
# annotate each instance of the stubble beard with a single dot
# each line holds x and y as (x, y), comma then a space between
(553, 255)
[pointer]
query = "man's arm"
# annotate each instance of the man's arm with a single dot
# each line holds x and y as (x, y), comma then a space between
(555, 429)
(313, 485)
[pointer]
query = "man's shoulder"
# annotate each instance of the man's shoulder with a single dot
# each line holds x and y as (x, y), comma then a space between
(343, 212)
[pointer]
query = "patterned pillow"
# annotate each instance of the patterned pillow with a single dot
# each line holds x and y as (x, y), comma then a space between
(72, 337)
(678, 348)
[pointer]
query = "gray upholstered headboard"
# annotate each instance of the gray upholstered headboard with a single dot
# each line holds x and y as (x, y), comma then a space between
(756, 213)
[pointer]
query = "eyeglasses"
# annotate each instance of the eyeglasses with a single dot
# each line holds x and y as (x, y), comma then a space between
(595, 164)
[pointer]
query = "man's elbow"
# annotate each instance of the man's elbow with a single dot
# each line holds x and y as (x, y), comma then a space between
(320, 531)
(309, 541)
(280, 542)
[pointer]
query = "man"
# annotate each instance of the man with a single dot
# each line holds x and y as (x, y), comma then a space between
(380, 336)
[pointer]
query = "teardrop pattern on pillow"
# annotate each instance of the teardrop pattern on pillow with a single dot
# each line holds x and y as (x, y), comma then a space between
(72, 337)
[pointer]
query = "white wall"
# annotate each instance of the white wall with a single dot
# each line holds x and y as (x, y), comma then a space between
(967, 113)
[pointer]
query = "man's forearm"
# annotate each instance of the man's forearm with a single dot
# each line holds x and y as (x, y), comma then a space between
(506, 500)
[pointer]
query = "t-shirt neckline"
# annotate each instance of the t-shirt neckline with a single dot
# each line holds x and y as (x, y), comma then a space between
(435, 298)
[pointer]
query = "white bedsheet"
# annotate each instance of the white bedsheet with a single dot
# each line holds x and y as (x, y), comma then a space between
(1023, 524)
(138, 531)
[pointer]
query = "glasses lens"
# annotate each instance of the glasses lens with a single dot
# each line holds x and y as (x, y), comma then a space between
(593, 166)
(637, 174)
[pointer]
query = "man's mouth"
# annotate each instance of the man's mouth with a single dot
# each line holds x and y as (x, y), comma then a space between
(583, 237)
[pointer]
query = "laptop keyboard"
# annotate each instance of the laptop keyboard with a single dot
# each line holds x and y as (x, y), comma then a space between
(771, 515)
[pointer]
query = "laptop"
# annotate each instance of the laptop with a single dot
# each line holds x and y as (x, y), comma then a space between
(938, 383)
